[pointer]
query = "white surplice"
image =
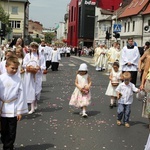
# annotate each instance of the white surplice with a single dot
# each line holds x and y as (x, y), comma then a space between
(3, 67)
(55, 56)
(12, 96)
(48, 53)
(130, 55)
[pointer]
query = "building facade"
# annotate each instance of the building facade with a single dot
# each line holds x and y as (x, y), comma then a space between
(72, 37)
(82, 20)
(135, 19)
(18, 11)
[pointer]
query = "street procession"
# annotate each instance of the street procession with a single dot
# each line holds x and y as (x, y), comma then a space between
(81, 84)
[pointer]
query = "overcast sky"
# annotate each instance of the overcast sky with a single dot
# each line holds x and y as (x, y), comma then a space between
(48, 12)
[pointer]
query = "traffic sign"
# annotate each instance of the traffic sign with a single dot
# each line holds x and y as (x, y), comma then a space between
(117, 28)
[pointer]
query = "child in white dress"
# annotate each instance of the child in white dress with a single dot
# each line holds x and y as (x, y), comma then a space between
(34, 64)
(81, 96)
(115, 78)
(19, 54)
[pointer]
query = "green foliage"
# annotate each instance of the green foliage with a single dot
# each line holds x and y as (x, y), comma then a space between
(49, 37)
(38, 40)
(4, 18)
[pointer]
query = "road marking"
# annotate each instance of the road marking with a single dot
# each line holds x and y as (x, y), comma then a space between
(71, 65)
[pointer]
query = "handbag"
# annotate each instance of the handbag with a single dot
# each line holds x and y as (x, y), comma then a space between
(140, 95)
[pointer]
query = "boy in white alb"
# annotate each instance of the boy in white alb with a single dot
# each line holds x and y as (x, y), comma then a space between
(12, 103)
(125, 99)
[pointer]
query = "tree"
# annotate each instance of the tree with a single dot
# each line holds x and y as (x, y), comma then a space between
(49, 37)
(4, 18)
(38, 40)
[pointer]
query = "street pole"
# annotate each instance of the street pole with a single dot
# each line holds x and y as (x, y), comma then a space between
(8, 7)
(0, 29)
(116, 17)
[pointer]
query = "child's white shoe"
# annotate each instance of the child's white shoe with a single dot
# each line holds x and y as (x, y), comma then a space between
(84, 115)
(31, 112)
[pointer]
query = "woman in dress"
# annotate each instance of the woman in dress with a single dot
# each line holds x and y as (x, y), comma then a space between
(146, 86)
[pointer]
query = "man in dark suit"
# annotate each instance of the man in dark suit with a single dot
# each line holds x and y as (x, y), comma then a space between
(144, 48)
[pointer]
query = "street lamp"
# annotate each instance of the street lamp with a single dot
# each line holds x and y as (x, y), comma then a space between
(8, 7)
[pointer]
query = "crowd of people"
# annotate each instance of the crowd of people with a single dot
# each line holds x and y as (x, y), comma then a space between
(22, 68)
(21, 72)
(123, 66)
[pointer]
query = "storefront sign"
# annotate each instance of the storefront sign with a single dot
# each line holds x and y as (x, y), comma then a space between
(90, 2)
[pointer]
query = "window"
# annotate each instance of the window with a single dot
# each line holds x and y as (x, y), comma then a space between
(128, 26)
(96, 32)
(74, 13)
(130, 5)
(135, 4)
(148, 22)
(14, 10)
(15, 24)
(71, 13)
(125, 27)
(69, 16)
(133, 26)
(142, 2)
(123, 44)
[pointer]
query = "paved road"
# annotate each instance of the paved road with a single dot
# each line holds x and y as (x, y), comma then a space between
(56, 126)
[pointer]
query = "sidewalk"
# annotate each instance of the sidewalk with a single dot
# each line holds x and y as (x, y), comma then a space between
(88, 59)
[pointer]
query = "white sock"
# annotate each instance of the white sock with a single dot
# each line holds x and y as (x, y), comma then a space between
(112, 101)
(84, 111)
(32, 106)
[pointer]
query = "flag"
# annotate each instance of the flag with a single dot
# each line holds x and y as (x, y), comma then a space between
(57, 27)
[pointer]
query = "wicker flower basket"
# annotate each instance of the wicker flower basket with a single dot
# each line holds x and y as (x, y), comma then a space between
(45, 72)
(31, 67)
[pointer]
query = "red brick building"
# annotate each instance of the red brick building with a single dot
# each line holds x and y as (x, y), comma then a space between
(81, 19)
(35, 27)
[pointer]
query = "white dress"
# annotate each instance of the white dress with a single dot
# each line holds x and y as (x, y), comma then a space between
(33, 82)
(77, 98)
(147, 147)
(111, 89)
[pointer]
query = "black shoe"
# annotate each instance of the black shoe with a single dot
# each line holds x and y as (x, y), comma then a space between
(111, 106)
(114, 105)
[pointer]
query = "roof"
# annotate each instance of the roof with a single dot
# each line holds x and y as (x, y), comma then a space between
(134, 8)
(119, 11)
(105, 19)
(106, 12)
(147, 10)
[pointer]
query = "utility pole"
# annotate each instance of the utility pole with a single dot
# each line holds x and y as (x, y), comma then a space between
(0, 29)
